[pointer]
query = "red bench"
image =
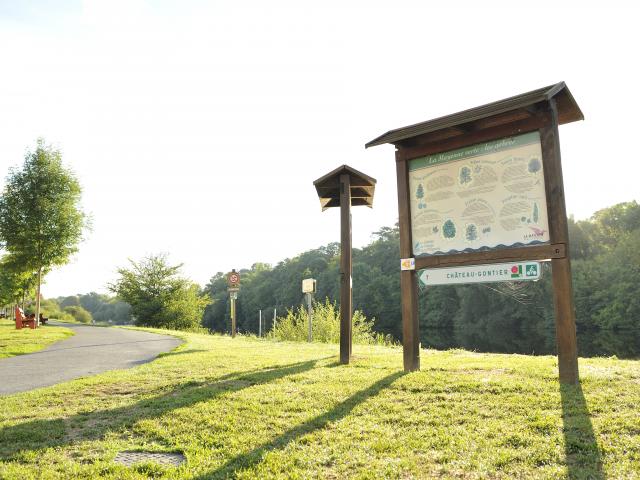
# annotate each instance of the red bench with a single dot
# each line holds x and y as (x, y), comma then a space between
(22, 321)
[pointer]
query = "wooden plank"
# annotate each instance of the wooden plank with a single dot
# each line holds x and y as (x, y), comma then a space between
(346, 305)
(413, 149)
(408, 279)
(537, 252)
(561, 267)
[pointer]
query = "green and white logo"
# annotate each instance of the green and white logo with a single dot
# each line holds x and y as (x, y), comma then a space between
(531, 270)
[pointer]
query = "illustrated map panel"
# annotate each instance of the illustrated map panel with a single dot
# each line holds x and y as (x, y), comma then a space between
(486, 196)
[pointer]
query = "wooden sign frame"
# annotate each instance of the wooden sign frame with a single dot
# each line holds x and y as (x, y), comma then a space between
(542, 110)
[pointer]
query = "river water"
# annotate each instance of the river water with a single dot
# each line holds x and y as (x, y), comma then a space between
(603, 343)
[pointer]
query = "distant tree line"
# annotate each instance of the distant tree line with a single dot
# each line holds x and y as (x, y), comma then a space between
(101, 308)
(605, 250)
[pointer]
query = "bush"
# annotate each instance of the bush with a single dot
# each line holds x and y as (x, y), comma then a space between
(158, 296)
(79, 314)
(326, 326)
(51, 309)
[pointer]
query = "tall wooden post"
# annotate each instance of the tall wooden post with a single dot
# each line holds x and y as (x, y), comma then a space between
(408, 278)
(343, 187)
(233, 316)
(345, 269)
(559, 234)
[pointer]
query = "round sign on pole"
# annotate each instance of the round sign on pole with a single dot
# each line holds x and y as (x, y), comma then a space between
(233, 279)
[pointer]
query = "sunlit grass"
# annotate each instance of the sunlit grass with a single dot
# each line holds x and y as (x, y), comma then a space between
(18, 342)
(251, 408)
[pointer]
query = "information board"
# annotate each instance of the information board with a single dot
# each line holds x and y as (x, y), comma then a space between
(486, 196)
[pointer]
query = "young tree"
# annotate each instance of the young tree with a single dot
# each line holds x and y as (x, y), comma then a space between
(15, 282)
(41, 221)
(158, 296)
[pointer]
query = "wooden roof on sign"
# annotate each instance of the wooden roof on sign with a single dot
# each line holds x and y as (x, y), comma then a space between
(492, 114)
(328, 187)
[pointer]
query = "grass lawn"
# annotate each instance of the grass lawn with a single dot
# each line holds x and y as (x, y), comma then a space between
(249, 408)
(17, 342)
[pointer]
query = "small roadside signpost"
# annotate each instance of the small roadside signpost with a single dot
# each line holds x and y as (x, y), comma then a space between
(233, 283)
(309, 289)
(483, 187)
(344, 187)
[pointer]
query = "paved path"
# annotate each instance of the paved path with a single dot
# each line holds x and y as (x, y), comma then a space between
(91, 350)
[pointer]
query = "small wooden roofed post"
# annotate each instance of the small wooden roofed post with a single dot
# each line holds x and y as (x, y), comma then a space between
(343, 187)
(362, 187)
(540, 110)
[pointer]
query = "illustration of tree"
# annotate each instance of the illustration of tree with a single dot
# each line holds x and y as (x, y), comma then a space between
(465, 175)
(534, 165)
(535, 215)
(449, 229)
(472, 232)
(420, 196)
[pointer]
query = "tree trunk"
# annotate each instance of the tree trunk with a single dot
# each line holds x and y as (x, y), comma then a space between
(38, 296)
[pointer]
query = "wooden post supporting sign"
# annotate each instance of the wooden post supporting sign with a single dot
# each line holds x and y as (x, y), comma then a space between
(408, 280)
(345, 268)
(233, 282)
(559, 233)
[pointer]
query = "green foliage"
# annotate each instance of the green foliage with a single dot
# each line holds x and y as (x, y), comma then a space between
(604, 230)
(103, 308)
(70, 301)
(51, 309)
(605, 283)
(376, 286)
(325, 326)
(41, 220)
(16, 283)
(79, 314)
(158, 296)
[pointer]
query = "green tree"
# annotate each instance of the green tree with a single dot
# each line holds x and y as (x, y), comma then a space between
(158, 296)
(70, 301)
(16, 283)
(79, 314)
(41, 221)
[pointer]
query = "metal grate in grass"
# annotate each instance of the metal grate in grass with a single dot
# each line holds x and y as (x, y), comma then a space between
(130, 458)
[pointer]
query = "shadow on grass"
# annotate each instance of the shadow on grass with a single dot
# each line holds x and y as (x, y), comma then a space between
(582, 454)
(46, 433)
(247, 460)
(182, 352)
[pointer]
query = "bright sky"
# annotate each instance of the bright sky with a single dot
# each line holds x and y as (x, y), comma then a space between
(197, 128)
